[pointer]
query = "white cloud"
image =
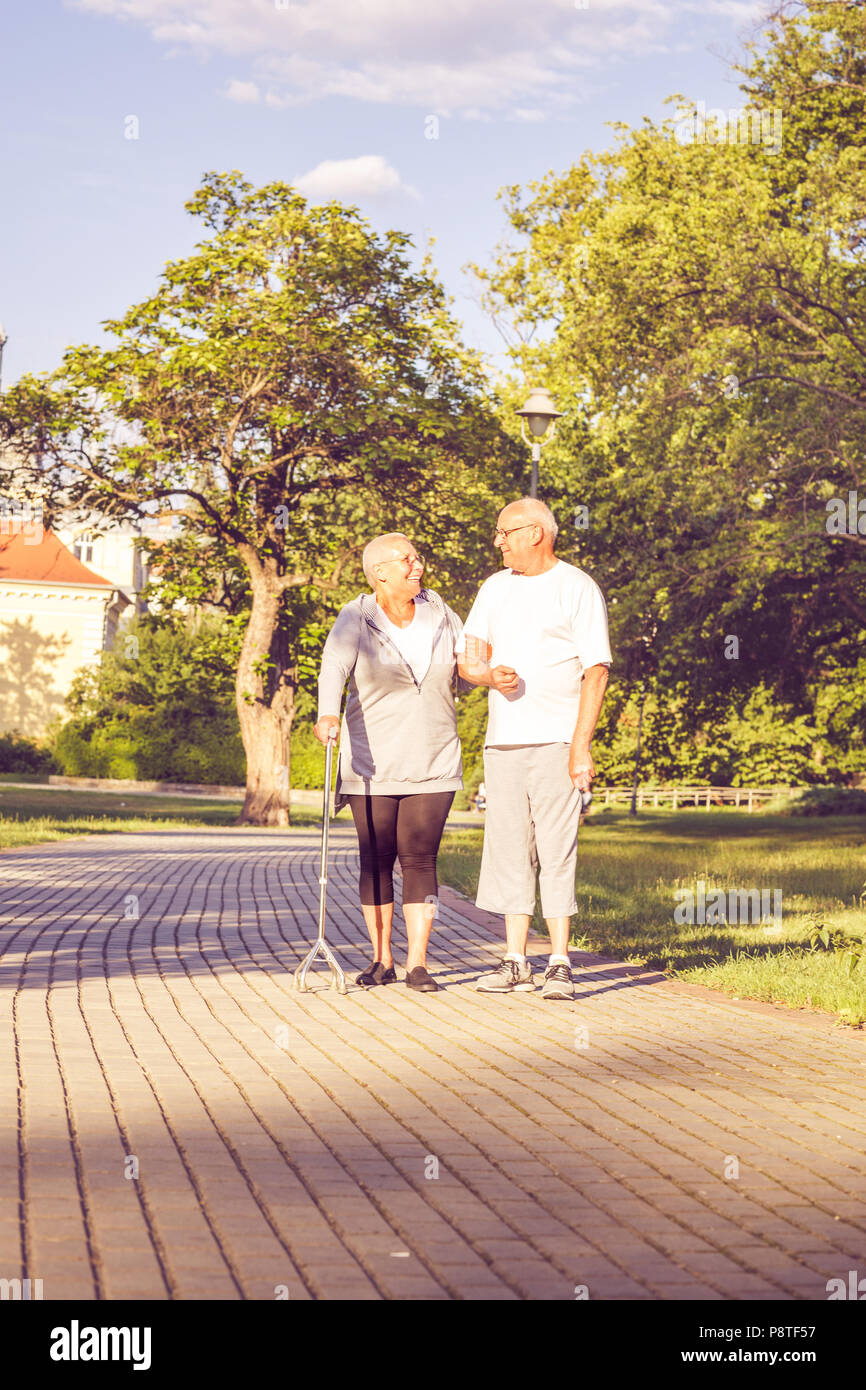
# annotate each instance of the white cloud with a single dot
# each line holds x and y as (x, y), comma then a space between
(242, 91)
(369, 176)
(450, 56)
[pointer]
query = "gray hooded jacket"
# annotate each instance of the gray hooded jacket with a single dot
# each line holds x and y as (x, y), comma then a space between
(397, 735)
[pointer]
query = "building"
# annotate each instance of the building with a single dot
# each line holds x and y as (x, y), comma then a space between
(114, 550)
(56, 615)
(63, 594)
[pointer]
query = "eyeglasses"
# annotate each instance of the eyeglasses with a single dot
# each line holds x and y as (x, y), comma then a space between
(499, 531)
(407, 560)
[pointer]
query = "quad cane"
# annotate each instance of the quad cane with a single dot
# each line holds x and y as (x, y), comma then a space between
(321, 947)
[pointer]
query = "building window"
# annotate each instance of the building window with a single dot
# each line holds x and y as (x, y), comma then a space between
(83, 548)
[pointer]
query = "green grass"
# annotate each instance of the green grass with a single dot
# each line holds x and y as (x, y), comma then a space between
(630, 867)
(31, 815)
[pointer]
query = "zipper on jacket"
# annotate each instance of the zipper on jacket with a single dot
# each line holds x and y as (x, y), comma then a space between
(385, 638)
(372, 623)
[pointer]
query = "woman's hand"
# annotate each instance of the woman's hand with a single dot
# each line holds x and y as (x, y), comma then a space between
(327, 727)
(504, 679)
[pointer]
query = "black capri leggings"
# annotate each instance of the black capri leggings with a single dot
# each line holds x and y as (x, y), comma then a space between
(407, 828)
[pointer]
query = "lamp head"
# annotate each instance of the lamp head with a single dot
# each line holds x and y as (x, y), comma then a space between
(539, 412)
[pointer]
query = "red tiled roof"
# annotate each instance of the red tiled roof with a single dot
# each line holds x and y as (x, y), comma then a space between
(49, 561)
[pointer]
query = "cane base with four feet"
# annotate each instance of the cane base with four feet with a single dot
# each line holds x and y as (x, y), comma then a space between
(321, 947)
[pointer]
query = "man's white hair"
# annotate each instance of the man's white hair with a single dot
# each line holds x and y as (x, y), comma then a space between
(373, 552)
(537, 511)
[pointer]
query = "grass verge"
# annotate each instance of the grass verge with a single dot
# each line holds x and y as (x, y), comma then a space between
(629, 871)
(30, 815)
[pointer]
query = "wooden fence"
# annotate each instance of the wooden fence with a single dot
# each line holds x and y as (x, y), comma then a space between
(745, 798)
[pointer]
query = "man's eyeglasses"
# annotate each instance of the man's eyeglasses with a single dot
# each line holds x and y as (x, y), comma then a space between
(499, 531)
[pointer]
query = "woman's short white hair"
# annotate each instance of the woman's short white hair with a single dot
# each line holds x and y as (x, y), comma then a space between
(372, 552)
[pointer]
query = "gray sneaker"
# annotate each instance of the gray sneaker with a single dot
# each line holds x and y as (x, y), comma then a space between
(558, 983)
(508, 976)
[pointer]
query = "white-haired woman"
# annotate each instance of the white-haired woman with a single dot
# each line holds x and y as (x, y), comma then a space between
(400, 759)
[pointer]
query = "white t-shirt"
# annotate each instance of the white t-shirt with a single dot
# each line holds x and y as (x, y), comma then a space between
(415, 642)
(549, 627)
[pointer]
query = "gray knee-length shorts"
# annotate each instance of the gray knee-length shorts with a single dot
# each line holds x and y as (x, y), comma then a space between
(530, 826)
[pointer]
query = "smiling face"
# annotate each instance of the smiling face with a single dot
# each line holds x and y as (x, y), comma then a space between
(519, 547)
(397, 569)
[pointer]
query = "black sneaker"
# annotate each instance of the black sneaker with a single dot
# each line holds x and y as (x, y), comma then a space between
(419, 978)
(376, 974)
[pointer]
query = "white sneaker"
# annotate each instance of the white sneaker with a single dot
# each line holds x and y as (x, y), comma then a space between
(558, 982)
(509, 976)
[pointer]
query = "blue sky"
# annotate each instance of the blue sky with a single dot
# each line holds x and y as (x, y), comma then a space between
(334, 93)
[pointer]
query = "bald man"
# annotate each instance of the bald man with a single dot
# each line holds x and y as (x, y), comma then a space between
(537, 636)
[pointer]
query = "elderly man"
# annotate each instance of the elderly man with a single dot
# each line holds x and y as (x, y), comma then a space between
(537, 636)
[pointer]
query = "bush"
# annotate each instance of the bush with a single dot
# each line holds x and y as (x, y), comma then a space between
(822, 801)
(735, 742)
(75, 754)
(160, 707)
(24, 755)
(156, 746)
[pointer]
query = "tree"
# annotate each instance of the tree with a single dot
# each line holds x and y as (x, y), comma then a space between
(291, 379)
(699, 308)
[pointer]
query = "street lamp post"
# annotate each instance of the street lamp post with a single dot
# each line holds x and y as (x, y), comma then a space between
(541, 416)
(3, 342)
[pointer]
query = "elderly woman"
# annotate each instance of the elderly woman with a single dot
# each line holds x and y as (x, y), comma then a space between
(400, 755)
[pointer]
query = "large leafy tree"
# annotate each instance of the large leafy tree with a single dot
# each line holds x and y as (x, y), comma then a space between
(700, 309)
(291, 388)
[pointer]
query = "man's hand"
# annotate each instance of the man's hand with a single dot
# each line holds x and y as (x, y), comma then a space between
(504, 679)
(327, 727)
(581, 769)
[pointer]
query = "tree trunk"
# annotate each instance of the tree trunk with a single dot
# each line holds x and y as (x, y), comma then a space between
(265, 705)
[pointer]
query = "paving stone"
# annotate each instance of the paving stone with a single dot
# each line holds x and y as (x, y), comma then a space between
(557, 1165)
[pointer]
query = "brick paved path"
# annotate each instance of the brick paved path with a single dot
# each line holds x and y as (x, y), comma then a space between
(289, 1142)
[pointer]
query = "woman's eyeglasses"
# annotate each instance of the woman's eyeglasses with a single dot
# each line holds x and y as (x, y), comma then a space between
(407, 560)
